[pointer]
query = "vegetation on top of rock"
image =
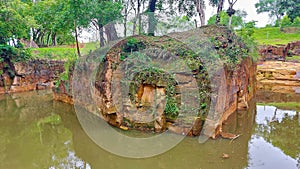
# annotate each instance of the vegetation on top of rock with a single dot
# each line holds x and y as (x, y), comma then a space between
(148, 60)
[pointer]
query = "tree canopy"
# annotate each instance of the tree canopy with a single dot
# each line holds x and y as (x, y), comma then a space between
(277, 8)
(237, 19)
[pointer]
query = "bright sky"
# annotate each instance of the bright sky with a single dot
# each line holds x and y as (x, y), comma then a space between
(246, 5)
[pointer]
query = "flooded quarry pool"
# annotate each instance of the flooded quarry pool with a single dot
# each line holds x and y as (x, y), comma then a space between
(37, 132)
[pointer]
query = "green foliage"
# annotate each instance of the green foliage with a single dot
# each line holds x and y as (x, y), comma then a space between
(53, 119)
(237, 20)
(54, 23)
(296, 22)
(64, 77)
(152, 75)
(246, 33)
(14, 21)
(105, 11)
(12, 54)
(292, 8)
(273, 7)
(133, 45)
(293, 58)
(286, 21)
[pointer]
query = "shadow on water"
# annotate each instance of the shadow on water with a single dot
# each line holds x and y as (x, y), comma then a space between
(267, 140)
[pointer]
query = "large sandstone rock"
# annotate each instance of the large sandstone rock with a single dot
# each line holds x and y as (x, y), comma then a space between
(223, 92)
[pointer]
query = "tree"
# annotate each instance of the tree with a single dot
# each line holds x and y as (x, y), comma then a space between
(200, 5)
(292, 8)
(137, 21)
(188, 7)
(79, 16)
(230, 11)
(151, 19)
(103, 12)
(53, 21)
(273, 7)
(286, 21)
(14, 23)
(237, 19)
(219, 4)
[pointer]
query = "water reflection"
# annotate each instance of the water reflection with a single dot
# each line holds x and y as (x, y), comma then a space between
(277, 133)
(24, 144)
(268, 140)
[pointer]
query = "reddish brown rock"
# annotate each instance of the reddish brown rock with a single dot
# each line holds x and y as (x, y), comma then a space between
(31, 75)
(233, 91)
(279, 52)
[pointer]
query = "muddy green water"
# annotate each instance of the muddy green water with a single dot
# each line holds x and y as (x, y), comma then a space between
(29, 139)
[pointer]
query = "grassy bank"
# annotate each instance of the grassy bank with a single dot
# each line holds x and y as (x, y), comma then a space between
(63, 52)
(57, 53)
(273, 36)
(283, 105)
(293, 59)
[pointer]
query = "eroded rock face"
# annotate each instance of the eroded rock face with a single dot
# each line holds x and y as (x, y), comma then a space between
(279, 52)
(31, 75)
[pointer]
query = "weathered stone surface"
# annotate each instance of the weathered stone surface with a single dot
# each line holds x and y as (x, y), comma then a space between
(31, 75)
(278, 76)
(279, 52)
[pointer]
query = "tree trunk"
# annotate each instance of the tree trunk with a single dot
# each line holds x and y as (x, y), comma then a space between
(134, 26)
(40, 39)
(111, 32)
(200, 10)
(48, 39)
(230, 11)
(101, 35)
(54, 40)
(151, 19)
(126, 11)
(229, 22)
(139, 17)
(125, 26)
(31, 37)
(220, 7)
(76, 39)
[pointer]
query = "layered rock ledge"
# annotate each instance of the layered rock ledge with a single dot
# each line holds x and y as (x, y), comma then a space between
(30, 75)
(278, 76)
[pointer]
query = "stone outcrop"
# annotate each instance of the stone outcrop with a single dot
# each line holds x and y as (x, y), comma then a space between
(30, 75)
(277, 76)
(279, 52)
(234, 88)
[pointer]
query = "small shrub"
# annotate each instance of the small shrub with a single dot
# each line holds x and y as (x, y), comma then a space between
(133, 45)
(286, 21)
(12, 54)
(296, 21)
